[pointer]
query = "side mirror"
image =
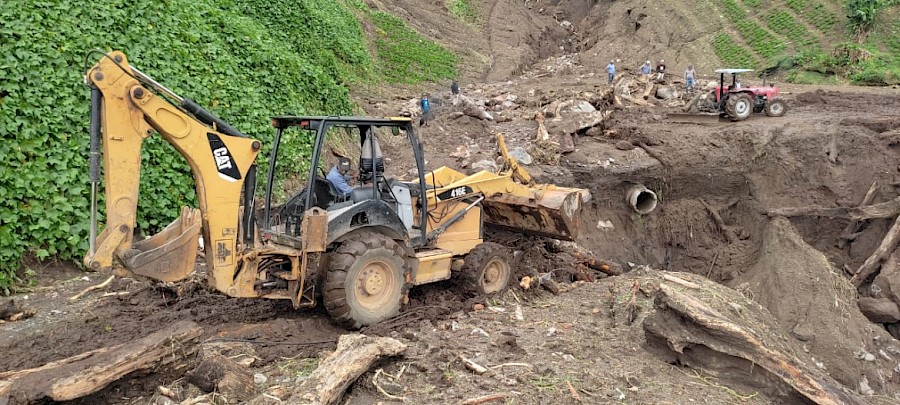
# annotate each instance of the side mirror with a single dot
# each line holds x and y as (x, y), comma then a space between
(395, 130)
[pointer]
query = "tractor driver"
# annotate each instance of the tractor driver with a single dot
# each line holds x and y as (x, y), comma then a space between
(339, 177)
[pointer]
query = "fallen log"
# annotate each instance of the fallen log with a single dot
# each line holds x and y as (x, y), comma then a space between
(586, 257)
(217, 373)
(884, 249)
(720, 223)
(685, 321)
(851, 231)
(886, 209)
(86, 373)
(648, 90)
(354, 355)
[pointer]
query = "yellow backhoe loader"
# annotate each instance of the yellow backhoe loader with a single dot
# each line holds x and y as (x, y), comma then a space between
(359, 252)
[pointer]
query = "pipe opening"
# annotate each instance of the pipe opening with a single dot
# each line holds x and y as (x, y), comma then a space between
(641, 199)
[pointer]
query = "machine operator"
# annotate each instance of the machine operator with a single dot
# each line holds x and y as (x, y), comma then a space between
(339, 177)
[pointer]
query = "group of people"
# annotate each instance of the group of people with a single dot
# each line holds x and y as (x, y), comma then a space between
(660, 72)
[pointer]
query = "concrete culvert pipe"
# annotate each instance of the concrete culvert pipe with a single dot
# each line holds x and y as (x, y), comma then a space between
(641, 199)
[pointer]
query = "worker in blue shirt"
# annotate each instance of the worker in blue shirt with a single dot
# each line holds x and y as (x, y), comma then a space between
(426, 110)
(611, 69)
(339, 177)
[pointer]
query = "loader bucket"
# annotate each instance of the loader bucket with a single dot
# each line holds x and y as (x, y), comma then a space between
(169, 255)
(554, 214)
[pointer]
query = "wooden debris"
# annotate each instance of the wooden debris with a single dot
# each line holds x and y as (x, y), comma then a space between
(84, 292)
(681, 282)
(586, 257)
(13, 311)
(472, 365)
(86, 373)
(720, 223)
(686, 321)
(485, 399)
(354, 355)
(886, 209)
(648, 91)
(572, 391)
(850, 232)
(542, 134)
(653, 153)
(884, 249)
(217, 373)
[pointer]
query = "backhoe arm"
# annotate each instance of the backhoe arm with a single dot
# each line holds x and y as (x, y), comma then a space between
(220, 163)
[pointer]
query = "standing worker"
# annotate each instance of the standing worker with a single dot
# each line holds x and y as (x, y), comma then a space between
(611, 69)
(660, 70)
(426, 110)
(454, 90)
(645, 70)
(689, 78)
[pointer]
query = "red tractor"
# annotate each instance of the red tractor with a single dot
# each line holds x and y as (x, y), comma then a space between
(735, 101)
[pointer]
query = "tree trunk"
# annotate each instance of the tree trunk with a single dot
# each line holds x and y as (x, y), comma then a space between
(853, 226)
(887, 246)
(354, 355)
(87, 373)
(220, 374)
(886, 209)
(684, 321)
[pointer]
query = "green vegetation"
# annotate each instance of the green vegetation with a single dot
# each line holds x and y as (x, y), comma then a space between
(244, 60)
(784, 23)
(761, 41)
(462, 9)
(752, 3)
(733, 54)
(405, 57)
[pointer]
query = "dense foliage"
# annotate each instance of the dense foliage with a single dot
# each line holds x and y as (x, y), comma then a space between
(244, 59)
(798, 36)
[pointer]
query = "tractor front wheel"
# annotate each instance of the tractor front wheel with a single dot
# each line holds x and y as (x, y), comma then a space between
(486, 269)
(776, 107)
(366, 280)
(739, 106)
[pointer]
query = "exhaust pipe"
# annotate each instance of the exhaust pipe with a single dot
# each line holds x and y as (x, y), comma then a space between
(641, 199)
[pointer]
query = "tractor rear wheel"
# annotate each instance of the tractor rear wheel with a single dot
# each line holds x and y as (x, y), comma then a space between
(739, 106)
(486, 269)
(366, 280)
(776, 107)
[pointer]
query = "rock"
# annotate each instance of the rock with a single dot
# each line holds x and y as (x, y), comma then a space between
(521, 155)
(551, 332)
(607, 224)
(485, 164)
(259, 378)
(518, 313)
(479, 332)
(881, 310)
(477, 307)
(624, 145)
(566, 143)
(583, 106)
(666, 92)
(864, 387)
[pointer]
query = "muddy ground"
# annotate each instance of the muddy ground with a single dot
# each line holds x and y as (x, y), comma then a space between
(589, 342)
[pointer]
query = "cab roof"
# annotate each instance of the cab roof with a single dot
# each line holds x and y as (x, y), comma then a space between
(730, 71)
(284, 121)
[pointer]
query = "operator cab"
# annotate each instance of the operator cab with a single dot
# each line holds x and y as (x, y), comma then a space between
(376, 200)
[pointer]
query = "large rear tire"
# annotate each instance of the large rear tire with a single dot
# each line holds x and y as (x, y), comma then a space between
(739, 106)
(366, 280)
(486, 269)
(776, 107)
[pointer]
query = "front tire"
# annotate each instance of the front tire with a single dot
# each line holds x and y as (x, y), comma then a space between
(739, 106)
(486, 269)
(776, 107)
(366, 280)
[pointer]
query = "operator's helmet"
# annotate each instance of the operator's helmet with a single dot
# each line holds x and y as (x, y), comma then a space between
(662, 61)
(647, 62)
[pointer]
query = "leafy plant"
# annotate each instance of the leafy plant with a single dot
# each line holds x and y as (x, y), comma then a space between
(733, 54)
(462, 9)
(244, 60)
